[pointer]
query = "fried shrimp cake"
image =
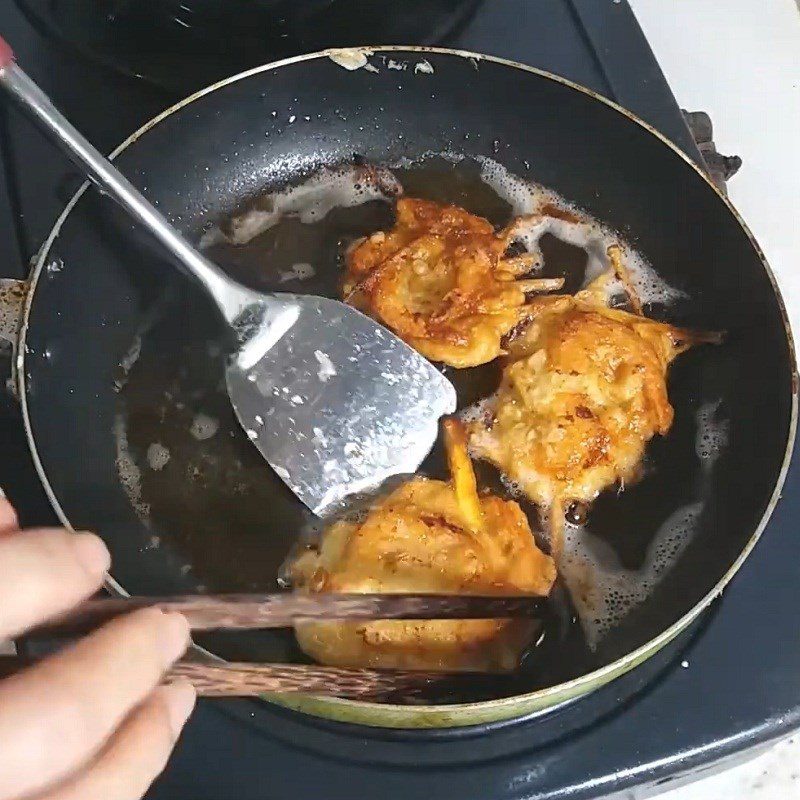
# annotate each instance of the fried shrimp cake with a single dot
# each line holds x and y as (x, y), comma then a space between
(440, 280)
(584, 391)
(427, 536)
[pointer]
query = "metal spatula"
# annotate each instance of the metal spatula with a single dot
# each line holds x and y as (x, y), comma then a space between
(334, 401)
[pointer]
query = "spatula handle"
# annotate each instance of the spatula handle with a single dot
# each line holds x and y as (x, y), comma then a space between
(112, 182)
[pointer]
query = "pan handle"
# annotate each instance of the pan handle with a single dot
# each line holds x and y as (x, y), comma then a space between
(12, 304)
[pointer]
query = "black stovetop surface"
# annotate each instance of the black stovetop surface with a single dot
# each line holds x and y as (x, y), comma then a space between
(730, 684)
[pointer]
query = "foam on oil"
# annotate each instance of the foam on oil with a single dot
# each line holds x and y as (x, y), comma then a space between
(548, 212)
(602, 590)
(130, 475)
(712, 434)
(311, 201)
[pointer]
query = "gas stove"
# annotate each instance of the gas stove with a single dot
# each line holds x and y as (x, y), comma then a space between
(705, 701)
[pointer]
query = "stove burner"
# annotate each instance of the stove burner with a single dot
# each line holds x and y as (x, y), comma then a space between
(182, 45)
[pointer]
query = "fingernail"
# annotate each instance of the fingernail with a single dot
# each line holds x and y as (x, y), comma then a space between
(175, 636)
(92, 553)
(179, 698)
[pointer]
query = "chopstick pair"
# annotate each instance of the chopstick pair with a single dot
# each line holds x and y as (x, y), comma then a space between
(242, 612)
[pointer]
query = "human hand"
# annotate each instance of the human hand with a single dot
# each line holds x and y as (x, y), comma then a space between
(91, 722)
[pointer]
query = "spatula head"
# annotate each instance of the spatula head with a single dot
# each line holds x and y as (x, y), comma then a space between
(334, 401)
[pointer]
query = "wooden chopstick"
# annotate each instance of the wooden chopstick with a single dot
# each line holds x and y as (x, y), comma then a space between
(254, 611)
(246, 680)
(249, 680)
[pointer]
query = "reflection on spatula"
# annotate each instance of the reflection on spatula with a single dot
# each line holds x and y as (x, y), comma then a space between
(334, 401)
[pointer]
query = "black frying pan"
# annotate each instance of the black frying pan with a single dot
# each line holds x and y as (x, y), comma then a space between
(216, 518)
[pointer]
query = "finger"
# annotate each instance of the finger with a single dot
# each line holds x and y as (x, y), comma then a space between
(138, 751)
(46, 571)
(58, 714)
(8, 517)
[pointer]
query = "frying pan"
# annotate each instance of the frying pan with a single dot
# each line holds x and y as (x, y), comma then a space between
(213, 517)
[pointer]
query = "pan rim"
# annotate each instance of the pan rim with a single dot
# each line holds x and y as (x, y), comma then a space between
(455, 715)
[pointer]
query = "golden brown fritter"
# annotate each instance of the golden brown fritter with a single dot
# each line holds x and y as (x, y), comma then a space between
(440, 281)
(427, 536)
(583, 393)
